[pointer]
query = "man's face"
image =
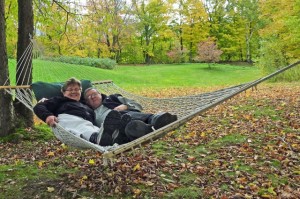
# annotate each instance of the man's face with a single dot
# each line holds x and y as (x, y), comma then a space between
(93, 98)
(73, 91)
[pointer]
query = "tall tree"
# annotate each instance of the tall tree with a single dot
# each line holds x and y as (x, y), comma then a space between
(109, 21)
(151, 17)
(280, 34)
(248, 13)
(226, 27)
(195, 25)
(25, 30)
(6, 111)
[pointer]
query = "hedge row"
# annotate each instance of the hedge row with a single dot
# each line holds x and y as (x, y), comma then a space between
(104, 63)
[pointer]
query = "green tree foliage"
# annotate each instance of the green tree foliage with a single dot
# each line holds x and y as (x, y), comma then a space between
(58, 27)
(249, 14)
(11, 18)
(280, 34)
(234, 24)
(219, 25)
(190, 22)
(144, 31)
(151, 17)
(109, 24)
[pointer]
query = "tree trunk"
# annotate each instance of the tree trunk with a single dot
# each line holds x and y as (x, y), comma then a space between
(25, 30)
(6, 111)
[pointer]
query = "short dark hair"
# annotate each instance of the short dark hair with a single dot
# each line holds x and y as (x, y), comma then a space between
(69, 82)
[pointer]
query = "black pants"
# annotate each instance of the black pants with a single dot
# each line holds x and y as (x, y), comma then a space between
(145, 117)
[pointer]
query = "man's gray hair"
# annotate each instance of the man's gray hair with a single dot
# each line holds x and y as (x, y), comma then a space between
(88, 89)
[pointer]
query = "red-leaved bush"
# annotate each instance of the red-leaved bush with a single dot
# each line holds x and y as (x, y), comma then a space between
(176, 55)
(208, 52)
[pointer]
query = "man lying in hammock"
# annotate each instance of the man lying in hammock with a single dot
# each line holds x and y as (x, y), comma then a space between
(141, 124)
(78, 118)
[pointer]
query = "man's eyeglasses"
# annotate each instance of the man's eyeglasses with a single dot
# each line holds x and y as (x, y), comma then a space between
(92, 95)
(74, 90)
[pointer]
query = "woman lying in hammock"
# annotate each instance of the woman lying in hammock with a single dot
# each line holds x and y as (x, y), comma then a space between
(79, 118)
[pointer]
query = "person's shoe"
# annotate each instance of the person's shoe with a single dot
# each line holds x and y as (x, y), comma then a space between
(125, 119)
(136, 129)
(101, 138)
(105, 139)
(95, 138)
(119, 137)
(162, 119)
(112, 122)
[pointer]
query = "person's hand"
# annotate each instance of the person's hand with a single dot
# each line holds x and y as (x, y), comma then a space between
(121, 107)
(42, 100)
(51, 120)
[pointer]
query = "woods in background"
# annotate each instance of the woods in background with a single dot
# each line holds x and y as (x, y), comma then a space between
(154, 31)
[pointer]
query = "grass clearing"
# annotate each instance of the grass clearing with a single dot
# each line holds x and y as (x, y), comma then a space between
(154, 77)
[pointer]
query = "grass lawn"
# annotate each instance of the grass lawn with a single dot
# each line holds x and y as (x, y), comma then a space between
(153, 76)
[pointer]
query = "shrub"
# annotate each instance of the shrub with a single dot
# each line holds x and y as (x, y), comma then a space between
(104, 63)
(176, 55)
(208, 52)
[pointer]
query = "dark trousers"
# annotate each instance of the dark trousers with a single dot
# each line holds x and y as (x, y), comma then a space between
(145, 117)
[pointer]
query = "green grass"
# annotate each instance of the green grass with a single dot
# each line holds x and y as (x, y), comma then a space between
(27, 176)
(152, 76)
(187, 192)
(229, 140)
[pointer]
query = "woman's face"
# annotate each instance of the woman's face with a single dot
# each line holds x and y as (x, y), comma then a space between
(73, 91)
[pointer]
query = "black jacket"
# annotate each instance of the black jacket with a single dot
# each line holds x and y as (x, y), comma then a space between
(59, 105)
(115, 100)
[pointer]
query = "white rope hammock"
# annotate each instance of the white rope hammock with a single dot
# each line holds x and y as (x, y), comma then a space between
(186, 107)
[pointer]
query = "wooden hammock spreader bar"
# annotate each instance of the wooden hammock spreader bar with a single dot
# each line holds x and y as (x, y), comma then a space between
(15, 87)
(162, 131)
(28, 86)
(102, 82)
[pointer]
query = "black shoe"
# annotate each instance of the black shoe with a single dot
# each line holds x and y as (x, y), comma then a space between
(125, 119)
(102, 139)
(163, 119)
(105, 139)
(136, 129)
(95, 138)
(120, 137)
(112, 122)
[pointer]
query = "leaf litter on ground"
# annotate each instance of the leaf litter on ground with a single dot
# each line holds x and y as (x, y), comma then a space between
(247, 147)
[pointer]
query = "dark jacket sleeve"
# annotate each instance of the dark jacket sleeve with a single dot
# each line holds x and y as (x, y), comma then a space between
(115, 100)
(131, 104)
(46, 108)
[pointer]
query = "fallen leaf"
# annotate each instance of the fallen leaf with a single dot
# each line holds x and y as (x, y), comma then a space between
(137, 167)
(50, 189)
(91, 161)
